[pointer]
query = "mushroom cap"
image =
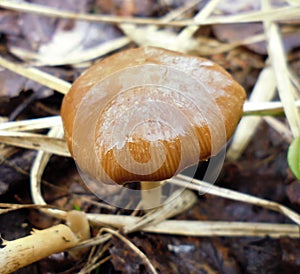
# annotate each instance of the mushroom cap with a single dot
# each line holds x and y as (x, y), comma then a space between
(145, 114)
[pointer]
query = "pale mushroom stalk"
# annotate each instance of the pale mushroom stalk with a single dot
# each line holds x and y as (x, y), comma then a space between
(151, 194)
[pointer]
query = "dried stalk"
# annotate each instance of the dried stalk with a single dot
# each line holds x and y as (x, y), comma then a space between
(95, 255)
(153, 36)
(279, 64)
(275, 14)
(203, 14)
(264, 90)
(90, 267)
(204, 187)
(38, 59)
(31, 124)
(6, 207)
(37, 170)
(39, 76)
(177, 203)
(195, 228)
(202, 228)
(35, 141)
(42, 243)
(145, 260)
(224, 229)
(265, 108)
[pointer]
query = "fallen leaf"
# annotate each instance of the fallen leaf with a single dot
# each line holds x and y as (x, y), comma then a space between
(67, 46)
(11, 84)
(9, 23)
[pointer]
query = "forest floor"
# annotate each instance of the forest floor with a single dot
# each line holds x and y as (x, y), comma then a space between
(239, 36)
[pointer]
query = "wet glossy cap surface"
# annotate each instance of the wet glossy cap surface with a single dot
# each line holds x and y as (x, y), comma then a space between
(148, 113)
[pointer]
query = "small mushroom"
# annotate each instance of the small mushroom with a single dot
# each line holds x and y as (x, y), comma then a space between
(146, 114)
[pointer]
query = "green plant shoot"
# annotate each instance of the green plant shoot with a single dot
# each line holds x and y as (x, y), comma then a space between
(294, 157)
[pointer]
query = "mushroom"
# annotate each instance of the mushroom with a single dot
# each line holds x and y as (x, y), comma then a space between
(146, 114)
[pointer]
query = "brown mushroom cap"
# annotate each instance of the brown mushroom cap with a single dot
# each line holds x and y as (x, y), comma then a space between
(148, 113)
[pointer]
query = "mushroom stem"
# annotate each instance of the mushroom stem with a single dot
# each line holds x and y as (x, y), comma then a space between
(151, 194)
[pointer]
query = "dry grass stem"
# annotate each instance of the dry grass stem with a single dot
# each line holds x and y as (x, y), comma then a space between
(177, 227)
(264, 90)
(134, 248)
(279, 64)
(96, 253)
(93, 241)
(153, 36)
(204, 13)
(275, 14)
(37, 59)
(177, 203)
(35, 141)
(204, 187)
(201, 228)
(31, 124)
(265, 108)
(36, 173)
(184, 40)
(90, 267)
(148, 36)
(292, 2)
(39, 76)
(24, 251)
(5, 207)
(177, 13)
(224, 229)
